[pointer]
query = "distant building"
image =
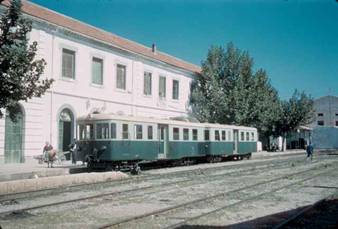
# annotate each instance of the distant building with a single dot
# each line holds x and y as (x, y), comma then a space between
(325, 124)
(326, 111)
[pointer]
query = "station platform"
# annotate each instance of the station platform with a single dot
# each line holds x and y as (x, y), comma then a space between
(31, 169)
(30, 176)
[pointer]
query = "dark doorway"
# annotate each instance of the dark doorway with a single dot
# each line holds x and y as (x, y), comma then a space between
(66, 130)
(14, 135)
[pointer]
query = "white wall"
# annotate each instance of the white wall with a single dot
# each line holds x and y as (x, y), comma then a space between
(81, 97)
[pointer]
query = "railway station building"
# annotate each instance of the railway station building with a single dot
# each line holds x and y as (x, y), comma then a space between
(94, 71)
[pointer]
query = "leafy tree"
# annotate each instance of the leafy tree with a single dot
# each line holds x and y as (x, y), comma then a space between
(296, 111)
(20, 71)
(227, 91)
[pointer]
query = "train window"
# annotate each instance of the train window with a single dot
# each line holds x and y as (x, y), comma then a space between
(206, 135)
(113, 130)
(125, 132)
(217, 137)
(138, 131)
(82, 131)
(242, 136)
(89, 131)
(162, 133)
(194, 134)
(247, 136)
(223, 135)
(176, 133)
(102, 130)
(185, 134)
(252, 136)
(150, 132)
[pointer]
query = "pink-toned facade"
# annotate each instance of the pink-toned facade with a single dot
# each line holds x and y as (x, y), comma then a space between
(79, 96)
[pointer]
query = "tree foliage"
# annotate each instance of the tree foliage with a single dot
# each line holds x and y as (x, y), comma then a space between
(20, 71)
(296, 111)
(228, 91)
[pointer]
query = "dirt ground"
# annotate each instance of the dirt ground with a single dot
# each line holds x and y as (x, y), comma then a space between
(244, 194)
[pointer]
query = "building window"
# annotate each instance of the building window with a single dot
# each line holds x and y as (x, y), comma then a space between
(223, 135)
(125, 132)
(68, 64)
(176, 133)
(162, 87)
(320, 114)
(138, 131)
(217, 137)
(97, 71)
(150, 132)
(242, 136)
(121, 76)
(320, 123)
(185, 134)
(206, 135)
(147, 83)
(194, 134)
(113, 130)
(175, 89)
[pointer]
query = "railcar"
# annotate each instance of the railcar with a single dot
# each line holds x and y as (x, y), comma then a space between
(107, 140)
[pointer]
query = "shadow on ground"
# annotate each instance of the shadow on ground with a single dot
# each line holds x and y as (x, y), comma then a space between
(323, 215)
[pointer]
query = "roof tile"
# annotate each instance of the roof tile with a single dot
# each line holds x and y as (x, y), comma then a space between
(90, 31)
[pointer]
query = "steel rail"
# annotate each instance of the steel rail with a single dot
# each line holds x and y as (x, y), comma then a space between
(168, 209)
(166, 184)
(246, 200)
(18, 196)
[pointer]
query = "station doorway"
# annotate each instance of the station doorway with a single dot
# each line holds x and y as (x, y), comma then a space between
(66, 130)
(14, 138)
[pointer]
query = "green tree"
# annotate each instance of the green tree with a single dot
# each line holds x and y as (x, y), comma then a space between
(296, 111)
(20, 71)
(227, 91)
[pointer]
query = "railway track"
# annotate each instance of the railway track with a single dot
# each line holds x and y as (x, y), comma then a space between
(150, 189)
(170, 212)
(201, 176)
(242, 168)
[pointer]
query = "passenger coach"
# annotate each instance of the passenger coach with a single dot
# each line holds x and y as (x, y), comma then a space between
(111, 140)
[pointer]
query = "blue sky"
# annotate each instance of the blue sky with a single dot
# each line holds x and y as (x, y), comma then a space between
(295, 41)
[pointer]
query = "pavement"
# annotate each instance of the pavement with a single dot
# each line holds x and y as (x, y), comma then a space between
(263, 154)
(31, 175)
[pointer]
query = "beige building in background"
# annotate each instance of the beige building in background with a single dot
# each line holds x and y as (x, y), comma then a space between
(326, 111)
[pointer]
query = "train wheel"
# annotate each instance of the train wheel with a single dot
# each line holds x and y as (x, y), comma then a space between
(109, 168)
(135, 170)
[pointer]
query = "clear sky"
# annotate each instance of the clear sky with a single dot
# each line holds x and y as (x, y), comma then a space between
(295, 41)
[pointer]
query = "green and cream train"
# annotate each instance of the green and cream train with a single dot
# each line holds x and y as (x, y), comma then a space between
(112, 140)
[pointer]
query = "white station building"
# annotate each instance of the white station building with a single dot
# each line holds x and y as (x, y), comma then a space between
(94, 71)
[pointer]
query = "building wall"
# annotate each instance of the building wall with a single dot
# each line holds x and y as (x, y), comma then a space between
(326, 111)
(82, 97)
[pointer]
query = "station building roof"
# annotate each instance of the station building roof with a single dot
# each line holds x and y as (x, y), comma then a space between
(74, 25)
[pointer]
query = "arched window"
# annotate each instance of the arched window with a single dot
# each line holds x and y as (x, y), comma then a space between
(14, 138)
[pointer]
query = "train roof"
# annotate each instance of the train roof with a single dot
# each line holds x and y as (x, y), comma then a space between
(97, 117)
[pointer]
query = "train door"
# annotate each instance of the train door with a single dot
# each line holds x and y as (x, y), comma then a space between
(235, 141)
(163, 138)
